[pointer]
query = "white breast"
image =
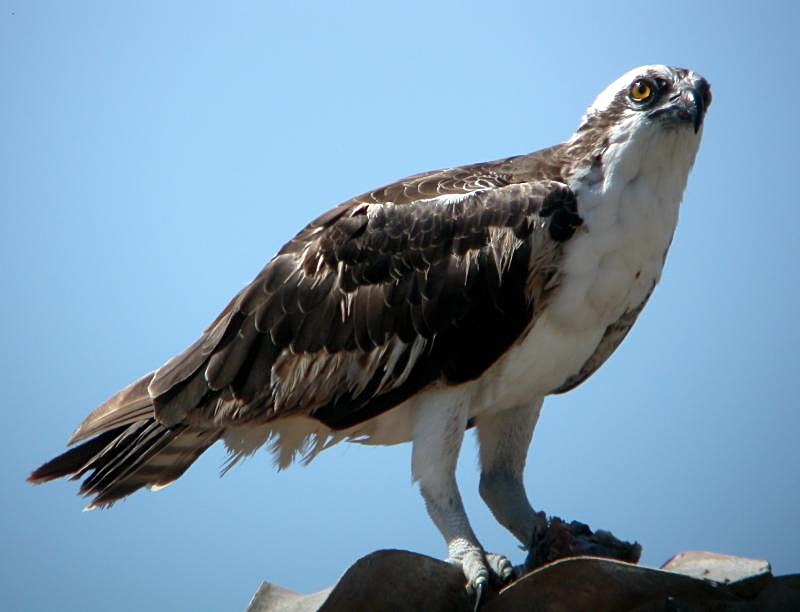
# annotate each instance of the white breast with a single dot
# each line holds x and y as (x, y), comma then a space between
(609, 267)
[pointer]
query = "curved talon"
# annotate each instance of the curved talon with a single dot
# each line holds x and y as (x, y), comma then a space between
(483, 571)
(480, 585)
(501, 567)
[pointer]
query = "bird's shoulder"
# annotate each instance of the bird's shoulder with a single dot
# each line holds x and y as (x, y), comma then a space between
(544, 168)
(543, 165)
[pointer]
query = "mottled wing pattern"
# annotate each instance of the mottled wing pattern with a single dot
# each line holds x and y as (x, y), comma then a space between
(426, 279)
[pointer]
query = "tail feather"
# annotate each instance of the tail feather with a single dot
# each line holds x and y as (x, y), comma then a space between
(126, 407)
(124, 447)
(119, 461)
(125, 459)
(72, 461)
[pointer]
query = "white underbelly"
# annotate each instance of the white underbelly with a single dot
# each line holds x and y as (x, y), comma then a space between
(556, 348)
(597, 286)
(537, 365)
(608, 267)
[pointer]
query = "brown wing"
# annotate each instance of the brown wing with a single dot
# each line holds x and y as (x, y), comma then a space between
(428, 279)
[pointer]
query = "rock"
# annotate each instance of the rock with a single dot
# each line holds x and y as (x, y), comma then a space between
(779, 595)
(591, 583)
(746, 576)
(383, 580)
(401, 580)
(272, 598)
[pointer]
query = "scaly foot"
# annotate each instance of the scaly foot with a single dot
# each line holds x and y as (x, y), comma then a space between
(481, 570)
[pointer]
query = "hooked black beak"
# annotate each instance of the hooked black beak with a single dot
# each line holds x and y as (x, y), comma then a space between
(699, 99)
(689, 104)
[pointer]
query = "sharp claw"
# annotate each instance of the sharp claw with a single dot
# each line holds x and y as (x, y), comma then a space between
(479, 587)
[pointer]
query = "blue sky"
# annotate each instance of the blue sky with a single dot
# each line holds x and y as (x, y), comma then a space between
(153, 156)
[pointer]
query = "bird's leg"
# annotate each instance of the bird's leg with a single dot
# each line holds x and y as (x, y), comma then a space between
(504, 438)
(439, 423)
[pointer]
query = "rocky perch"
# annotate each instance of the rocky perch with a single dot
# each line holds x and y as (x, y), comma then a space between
(692, 581)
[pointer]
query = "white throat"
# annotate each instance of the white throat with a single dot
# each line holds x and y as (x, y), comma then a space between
(629, 205)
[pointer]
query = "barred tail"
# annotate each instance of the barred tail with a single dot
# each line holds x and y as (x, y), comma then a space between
(127, 449)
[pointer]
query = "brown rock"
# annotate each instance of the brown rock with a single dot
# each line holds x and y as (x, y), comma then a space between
(401, 580)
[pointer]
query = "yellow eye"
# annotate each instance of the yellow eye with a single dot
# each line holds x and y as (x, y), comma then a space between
(641, 90)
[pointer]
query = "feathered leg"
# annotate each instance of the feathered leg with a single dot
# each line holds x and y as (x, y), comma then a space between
(504, 438)
(439, 423)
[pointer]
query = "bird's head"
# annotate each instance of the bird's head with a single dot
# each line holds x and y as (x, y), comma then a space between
(650, 96)
(649, 118)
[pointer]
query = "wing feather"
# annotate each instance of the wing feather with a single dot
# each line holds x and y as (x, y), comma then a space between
(443, 255)
(424, 280)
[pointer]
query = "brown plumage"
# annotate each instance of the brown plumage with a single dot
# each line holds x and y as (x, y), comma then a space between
(340, 325)
(453, 298)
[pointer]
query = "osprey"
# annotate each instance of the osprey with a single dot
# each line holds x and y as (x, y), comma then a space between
(452, 299)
